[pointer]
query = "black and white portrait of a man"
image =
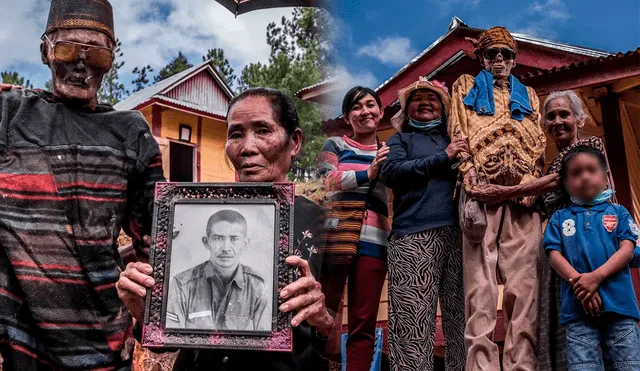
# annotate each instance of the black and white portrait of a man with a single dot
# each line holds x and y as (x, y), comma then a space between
(229, 282)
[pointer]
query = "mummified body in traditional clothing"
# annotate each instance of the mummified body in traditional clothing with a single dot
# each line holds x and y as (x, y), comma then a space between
(499, 117)
(72, 173)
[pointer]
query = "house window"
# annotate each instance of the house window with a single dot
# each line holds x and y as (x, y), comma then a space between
(185, 133)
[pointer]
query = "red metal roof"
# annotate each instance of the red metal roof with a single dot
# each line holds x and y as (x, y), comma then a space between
(592, 62)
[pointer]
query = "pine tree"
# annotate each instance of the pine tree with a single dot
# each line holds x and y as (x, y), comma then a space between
(14, 78)
(177, 65)
(141, 81)
(112, 90)
(222, 65)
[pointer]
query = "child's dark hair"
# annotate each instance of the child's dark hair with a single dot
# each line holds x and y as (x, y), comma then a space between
(577, 150)
(354, 95)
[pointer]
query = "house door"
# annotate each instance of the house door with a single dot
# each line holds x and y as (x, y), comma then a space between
(181, 159)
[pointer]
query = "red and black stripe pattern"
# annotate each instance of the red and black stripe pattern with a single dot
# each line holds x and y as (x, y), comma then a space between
(69, 180)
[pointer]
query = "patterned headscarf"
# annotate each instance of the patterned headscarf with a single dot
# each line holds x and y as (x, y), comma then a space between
(88, 14)
(403, 96)
(493, 36)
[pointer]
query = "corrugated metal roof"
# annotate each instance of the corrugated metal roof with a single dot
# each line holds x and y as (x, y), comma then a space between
(457, 23)
(318, 85)
(162, 87)
(193, 106)
(581, 64)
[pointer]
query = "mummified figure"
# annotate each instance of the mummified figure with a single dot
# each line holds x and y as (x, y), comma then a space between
(73, 172)
(499, 117)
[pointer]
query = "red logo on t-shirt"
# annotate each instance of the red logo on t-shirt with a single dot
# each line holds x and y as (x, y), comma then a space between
(610, 222)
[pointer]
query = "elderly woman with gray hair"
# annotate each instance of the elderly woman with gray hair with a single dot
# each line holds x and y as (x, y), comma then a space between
(562, 119)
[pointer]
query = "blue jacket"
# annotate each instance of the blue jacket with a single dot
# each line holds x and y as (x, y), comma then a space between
(419, 173)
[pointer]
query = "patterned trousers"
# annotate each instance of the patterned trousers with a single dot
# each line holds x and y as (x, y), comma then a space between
(553, 334)
(425, 267)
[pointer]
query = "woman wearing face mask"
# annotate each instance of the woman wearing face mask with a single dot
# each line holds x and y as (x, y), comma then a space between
(350, 166)
(562, 119)
(425, 252)
(263, 138)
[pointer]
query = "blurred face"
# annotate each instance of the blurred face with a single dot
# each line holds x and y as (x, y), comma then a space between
(585, 177)
(560, 122)
(257, 145)
(225, 242)
(499, 66)
(424, 106)
(75, 81)
(365, 115)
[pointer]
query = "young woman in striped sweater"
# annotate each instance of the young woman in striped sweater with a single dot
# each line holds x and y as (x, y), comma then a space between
(350, 165)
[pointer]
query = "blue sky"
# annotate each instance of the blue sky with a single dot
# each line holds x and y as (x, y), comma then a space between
(374, 37)
(151, 32)
(377, 37)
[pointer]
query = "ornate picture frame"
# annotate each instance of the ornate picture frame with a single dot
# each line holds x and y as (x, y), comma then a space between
(168, 196)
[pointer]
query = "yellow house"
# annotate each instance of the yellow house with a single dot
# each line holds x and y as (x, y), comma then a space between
(187, 115)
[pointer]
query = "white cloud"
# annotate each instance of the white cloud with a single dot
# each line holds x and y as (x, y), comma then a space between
(393, 50)
(346, 80)
(542, 18)
(554, 9)
(191, 26)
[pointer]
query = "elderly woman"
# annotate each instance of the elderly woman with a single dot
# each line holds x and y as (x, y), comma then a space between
(425, 252)
(562, 119)
(263, 137)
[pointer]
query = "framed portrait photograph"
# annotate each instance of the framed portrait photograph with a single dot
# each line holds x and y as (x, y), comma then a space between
(218, 255)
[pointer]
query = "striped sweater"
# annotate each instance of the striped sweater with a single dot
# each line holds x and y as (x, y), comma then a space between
(343, 163)
(69, 180)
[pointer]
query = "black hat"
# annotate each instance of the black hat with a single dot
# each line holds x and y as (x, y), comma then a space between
(89, 14)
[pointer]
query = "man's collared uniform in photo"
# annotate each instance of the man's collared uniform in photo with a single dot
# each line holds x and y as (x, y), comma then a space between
(198, 299)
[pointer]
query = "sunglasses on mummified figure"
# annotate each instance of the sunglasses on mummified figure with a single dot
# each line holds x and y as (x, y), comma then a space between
(69, 51)
(492, 53)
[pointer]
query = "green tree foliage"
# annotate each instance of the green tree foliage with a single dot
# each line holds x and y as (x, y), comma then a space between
(48, 86)
(13, 78)
(112, 90)
(300, 54)
(141, 80)
(177, 65)
(222, 65)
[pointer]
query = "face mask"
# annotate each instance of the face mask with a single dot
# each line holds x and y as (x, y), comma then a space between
(603, 197)
(425, 125)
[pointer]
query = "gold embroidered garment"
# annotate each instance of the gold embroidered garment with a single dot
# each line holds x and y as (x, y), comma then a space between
(503, 150)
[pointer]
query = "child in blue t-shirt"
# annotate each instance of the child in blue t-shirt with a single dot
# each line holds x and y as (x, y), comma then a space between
(590, 244)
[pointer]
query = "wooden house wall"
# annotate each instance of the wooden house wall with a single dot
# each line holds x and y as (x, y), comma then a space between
(171, 121)
(213, 164)
(203, 90)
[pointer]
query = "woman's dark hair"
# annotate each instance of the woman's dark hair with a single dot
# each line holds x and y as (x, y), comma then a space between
(284, 110)
(581, 149)
(354, 95)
